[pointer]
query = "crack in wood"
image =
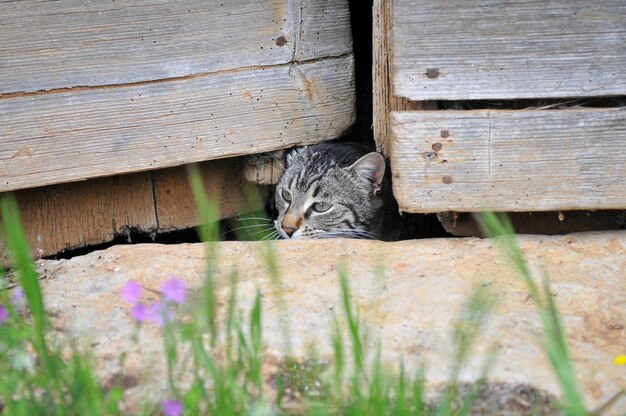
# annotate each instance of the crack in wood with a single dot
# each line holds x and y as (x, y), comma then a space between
(20, 94)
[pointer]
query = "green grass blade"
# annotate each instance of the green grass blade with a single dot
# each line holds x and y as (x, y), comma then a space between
(352, 320)
(19, 251)
(555, 340)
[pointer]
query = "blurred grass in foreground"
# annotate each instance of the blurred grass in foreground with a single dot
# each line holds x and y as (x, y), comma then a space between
(224, 357)
(554, 339)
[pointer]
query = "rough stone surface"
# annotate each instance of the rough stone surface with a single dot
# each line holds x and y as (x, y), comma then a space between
(410, 307)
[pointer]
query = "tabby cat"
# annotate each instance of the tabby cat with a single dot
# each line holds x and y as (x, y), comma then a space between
(334, 190)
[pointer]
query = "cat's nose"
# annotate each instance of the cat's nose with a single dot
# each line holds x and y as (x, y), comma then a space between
(290, 224)
(288, 229)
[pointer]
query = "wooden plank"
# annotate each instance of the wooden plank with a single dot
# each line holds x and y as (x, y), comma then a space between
(74, 215)
(490, 49)
(61, 137)
(509, 160)
(223, 179)
(67, 216)
(68, 43)
(384, 101)
(324, 29)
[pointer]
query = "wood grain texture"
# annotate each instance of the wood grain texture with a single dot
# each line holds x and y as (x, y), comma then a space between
(223, 180)
(74, 215)
(68, 43)
(67, 216)
(61, 137)
(490, 49)
(384, 102)
(509, 160)
(324, 29)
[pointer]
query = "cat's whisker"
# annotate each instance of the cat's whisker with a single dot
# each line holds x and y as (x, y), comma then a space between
(340, 232)
(266, 228)
(278, 161)
(244, 227)
(333, 235)
(253, 225)
(263, 231)
(350, 230)
(241, 218)
(270, 236)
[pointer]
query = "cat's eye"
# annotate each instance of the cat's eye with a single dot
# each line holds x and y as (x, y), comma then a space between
(286, 195)
(321, 206)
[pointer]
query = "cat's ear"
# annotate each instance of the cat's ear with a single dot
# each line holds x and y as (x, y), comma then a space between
(293, 155)
(370, 167)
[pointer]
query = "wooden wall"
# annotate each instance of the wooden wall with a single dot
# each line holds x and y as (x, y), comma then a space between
(93, 89)
(90, 89)
(538, 159)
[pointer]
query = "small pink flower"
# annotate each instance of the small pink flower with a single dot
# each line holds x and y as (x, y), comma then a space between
(139, 312)
(131, 292)
(172, 407)
(4, 314)
(174, 290)
(17, 299)
(159, 313)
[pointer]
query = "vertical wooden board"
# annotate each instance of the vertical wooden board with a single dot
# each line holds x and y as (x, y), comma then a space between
(384, 101)
(67, 216)
(68, 43)
(62, 137)
(490, 49)
(509, 160)
(324, 29)
(223, 179)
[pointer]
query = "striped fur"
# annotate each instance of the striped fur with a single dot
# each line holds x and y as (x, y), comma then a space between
(332, 190)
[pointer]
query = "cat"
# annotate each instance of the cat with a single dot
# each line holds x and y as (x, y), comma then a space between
(334, 190)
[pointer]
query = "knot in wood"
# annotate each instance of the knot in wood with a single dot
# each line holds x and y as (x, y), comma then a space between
(432, 72)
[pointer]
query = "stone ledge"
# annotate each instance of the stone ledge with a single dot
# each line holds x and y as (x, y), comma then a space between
(410, 307)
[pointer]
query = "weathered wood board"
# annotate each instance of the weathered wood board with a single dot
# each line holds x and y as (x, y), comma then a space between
(223, 180)
(324, 29)
(79, 214)
(491, 49)
(533, 160)
(89, 89)
(384, 101)
(72, 215)
(63, 137)
(61, 44)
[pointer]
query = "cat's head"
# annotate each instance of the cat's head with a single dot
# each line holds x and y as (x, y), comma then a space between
(330, 190)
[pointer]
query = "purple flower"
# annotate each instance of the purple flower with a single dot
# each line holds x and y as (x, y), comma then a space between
(174, 290)
(139, 312)
(131, 292)
(4, 314)
(172, 407)
(159, 313)
(18, 300)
